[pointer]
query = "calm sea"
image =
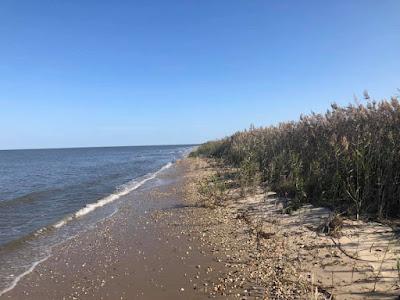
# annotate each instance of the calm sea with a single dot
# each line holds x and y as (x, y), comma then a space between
(54, 189)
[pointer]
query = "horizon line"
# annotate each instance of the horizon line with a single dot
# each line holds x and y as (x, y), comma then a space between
(86, 147)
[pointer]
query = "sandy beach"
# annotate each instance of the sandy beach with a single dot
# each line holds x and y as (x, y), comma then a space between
(162, 245)
(127, 256)
(166, 150)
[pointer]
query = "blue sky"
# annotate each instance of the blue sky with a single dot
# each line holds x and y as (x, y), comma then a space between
(97, 73)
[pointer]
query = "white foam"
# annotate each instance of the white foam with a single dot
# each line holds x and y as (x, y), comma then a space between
(124, 191)
(19, 277)
(62, 222)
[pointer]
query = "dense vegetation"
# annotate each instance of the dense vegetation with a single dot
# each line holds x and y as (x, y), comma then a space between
(347, 158)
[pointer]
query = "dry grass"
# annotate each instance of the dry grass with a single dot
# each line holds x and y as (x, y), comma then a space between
(347, 158)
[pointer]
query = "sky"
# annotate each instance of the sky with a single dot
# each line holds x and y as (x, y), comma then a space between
(105, 73)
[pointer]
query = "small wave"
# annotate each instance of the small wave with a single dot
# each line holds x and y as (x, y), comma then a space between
(124, 190)
(63, 222)
(18, 278)
(85, 210)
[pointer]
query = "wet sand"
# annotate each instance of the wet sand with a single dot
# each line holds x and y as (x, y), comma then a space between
(131, 255)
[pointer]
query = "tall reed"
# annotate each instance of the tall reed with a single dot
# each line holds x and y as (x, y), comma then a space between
(347, 158)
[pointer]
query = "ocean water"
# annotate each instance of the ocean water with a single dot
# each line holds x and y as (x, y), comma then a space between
(48, 195)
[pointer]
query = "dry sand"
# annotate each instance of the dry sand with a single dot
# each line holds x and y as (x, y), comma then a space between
(360, 263)
(162, 245)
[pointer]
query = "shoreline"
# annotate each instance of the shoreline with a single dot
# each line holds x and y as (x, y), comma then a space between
(89, 208)
(162, 244)
(88, 265)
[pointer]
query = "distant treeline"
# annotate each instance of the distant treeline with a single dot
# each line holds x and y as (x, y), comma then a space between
(347, 159)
